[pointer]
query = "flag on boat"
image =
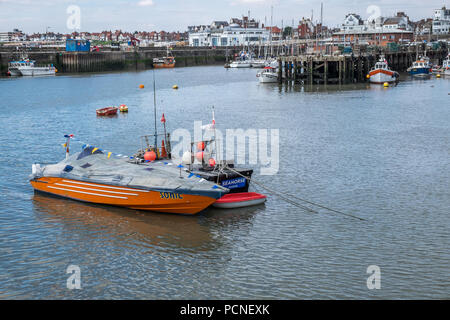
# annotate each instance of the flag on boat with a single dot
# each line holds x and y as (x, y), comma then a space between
(212, 125)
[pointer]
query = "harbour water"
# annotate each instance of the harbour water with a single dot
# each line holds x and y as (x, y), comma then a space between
(380, 154)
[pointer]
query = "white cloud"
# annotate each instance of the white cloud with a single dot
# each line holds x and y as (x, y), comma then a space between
(145, 3)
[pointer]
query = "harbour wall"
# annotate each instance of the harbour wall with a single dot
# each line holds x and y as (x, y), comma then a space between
(70, 62)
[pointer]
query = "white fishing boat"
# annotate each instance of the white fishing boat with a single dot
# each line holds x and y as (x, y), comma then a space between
(381, 73)
(258, 63)
(240, 64)
(26, 67)
(268, 75)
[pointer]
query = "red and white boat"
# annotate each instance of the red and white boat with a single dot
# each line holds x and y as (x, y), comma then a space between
(240, 200)
(381, 73)
(108, 111)
(268, 75)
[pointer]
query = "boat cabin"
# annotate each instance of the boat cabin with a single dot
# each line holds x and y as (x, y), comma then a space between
(23, 63)
(381, 65)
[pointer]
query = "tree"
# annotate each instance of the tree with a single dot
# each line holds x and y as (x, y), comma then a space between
(287, 32)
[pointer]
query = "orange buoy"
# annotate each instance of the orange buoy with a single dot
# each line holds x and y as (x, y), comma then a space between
(201, 146)
(141, 86)
(150, 156)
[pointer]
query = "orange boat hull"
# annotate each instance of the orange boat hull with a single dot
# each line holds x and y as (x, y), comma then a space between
(163, 66)
(132, 198)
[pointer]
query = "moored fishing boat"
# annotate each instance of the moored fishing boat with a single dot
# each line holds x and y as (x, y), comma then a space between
(268, 75)
(240, 64)
(95, 177)
(202, 164)
(381, 73)
(258, 63)
(27, 67)
(420, 68)
(165, 62)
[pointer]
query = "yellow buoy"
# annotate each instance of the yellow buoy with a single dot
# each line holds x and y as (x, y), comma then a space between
(175, 86)
(141, 86)
(438, 75)
(368, 76)
(386, 84)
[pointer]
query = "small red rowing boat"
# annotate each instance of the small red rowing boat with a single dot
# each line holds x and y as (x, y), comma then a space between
(239, 200)
(109, 111)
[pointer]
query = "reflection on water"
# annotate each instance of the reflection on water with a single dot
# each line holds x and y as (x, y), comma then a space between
(130, 225)
(141, 227)
(379, 153)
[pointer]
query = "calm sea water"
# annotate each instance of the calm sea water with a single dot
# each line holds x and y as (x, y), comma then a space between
(381, 154)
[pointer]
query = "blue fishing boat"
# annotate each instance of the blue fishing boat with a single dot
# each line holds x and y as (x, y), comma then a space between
(420, 68)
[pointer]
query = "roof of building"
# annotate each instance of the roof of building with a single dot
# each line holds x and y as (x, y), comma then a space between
(275, 29)
(393, 20)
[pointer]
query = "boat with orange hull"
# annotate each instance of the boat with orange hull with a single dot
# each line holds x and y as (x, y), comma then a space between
(165, 62)
(95, 177)
(381, 73)
(133, 198)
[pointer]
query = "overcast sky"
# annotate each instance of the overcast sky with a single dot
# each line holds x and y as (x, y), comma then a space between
(175, 15)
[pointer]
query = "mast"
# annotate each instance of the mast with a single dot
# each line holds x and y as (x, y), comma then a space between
(271, 26)
(292, 38)
(321, 25)
(246, 35)
(154, 111)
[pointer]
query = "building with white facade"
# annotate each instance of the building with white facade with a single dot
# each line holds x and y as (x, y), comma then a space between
(353, 22)
(220, 33)
(15, 35)
(441, 21)
(379, 31)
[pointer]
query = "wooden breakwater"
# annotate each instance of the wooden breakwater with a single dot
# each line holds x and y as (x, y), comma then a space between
(324, 69)
(71, 62)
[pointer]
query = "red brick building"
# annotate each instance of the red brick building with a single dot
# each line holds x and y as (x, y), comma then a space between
(377, 37)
